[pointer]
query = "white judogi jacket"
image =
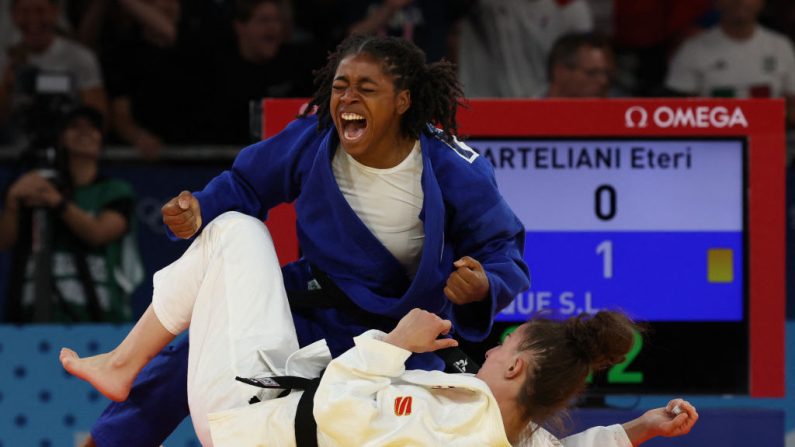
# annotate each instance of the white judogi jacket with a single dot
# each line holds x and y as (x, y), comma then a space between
(367, 398)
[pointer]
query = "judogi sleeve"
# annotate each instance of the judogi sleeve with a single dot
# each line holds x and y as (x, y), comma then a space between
(262, 176)
(345, 403)
(611, 436)
(485, 228)
(363, 400)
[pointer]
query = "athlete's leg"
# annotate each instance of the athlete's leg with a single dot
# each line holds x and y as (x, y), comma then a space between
(113, 373)
(157, 404)
(228, 288)
(241, 309)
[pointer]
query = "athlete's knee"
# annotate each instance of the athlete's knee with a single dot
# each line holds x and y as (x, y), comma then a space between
(235, 218)
(232, 227)
(232, 223)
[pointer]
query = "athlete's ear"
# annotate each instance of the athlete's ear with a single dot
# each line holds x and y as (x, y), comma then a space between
(516, 368)
(403, 101)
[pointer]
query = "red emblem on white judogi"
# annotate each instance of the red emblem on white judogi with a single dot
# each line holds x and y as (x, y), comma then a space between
(403, 406)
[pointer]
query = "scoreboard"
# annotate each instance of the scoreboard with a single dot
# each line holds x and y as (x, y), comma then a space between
(643, 225)
(671, 210)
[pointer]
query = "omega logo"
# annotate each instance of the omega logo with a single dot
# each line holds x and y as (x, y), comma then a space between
(698, 117)
(636, 114)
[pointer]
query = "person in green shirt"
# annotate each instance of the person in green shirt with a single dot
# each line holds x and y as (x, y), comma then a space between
(94, 261)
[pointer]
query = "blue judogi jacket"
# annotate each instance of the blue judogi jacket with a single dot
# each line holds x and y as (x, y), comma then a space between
(463, 214)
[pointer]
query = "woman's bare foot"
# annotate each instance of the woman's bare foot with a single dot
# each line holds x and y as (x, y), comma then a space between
(108, 376)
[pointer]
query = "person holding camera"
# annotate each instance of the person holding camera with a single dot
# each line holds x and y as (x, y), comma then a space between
(42, 50)
(94, 263)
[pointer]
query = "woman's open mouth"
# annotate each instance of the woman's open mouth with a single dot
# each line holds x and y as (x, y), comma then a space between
(353, 126)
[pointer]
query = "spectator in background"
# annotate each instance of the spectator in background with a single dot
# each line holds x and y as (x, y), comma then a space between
(9, 33)
(264, 65)
(95, 265)
(645, 32)
(504, 44)
(102, 25)
(41, 49)
(427, 23)
(739, 58)
(318, 20)
(158, 79)
(580, 66)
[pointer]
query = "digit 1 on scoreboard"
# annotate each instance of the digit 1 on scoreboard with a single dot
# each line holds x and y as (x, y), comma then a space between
(605, 248)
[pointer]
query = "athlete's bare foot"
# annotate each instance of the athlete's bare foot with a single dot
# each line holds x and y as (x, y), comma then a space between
(110, 378)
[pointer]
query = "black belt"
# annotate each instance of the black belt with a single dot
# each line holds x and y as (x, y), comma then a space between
(327, 296)
(305, 425)
(331, 296)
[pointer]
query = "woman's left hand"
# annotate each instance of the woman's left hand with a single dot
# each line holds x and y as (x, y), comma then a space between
(675, 419)
(468, 283)
(39, 192)
(50, 196)
(419, 331)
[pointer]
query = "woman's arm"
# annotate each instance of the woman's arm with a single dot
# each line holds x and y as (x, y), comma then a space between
(98, 230)
(675, 419)
(484, 228)
(354, 402)
(152, 19)
(346, 400)
(263, 175)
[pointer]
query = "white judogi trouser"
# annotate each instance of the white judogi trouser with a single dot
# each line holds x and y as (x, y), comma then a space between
(228, 288)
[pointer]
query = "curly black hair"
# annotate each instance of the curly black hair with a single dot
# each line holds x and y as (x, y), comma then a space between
(434, 88)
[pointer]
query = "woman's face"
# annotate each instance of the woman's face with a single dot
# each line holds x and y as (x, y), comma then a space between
(263, 33)
(82, 139)
(36, 20)
(366, 109)
(501, 357)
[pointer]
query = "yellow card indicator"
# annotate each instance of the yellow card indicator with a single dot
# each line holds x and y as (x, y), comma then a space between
(720, 265)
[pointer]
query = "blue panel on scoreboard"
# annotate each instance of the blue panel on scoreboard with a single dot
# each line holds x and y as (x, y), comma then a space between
(654, 276)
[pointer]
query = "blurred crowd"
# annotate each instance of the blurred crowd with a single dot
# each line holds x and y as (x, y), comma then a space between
(171, 72)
